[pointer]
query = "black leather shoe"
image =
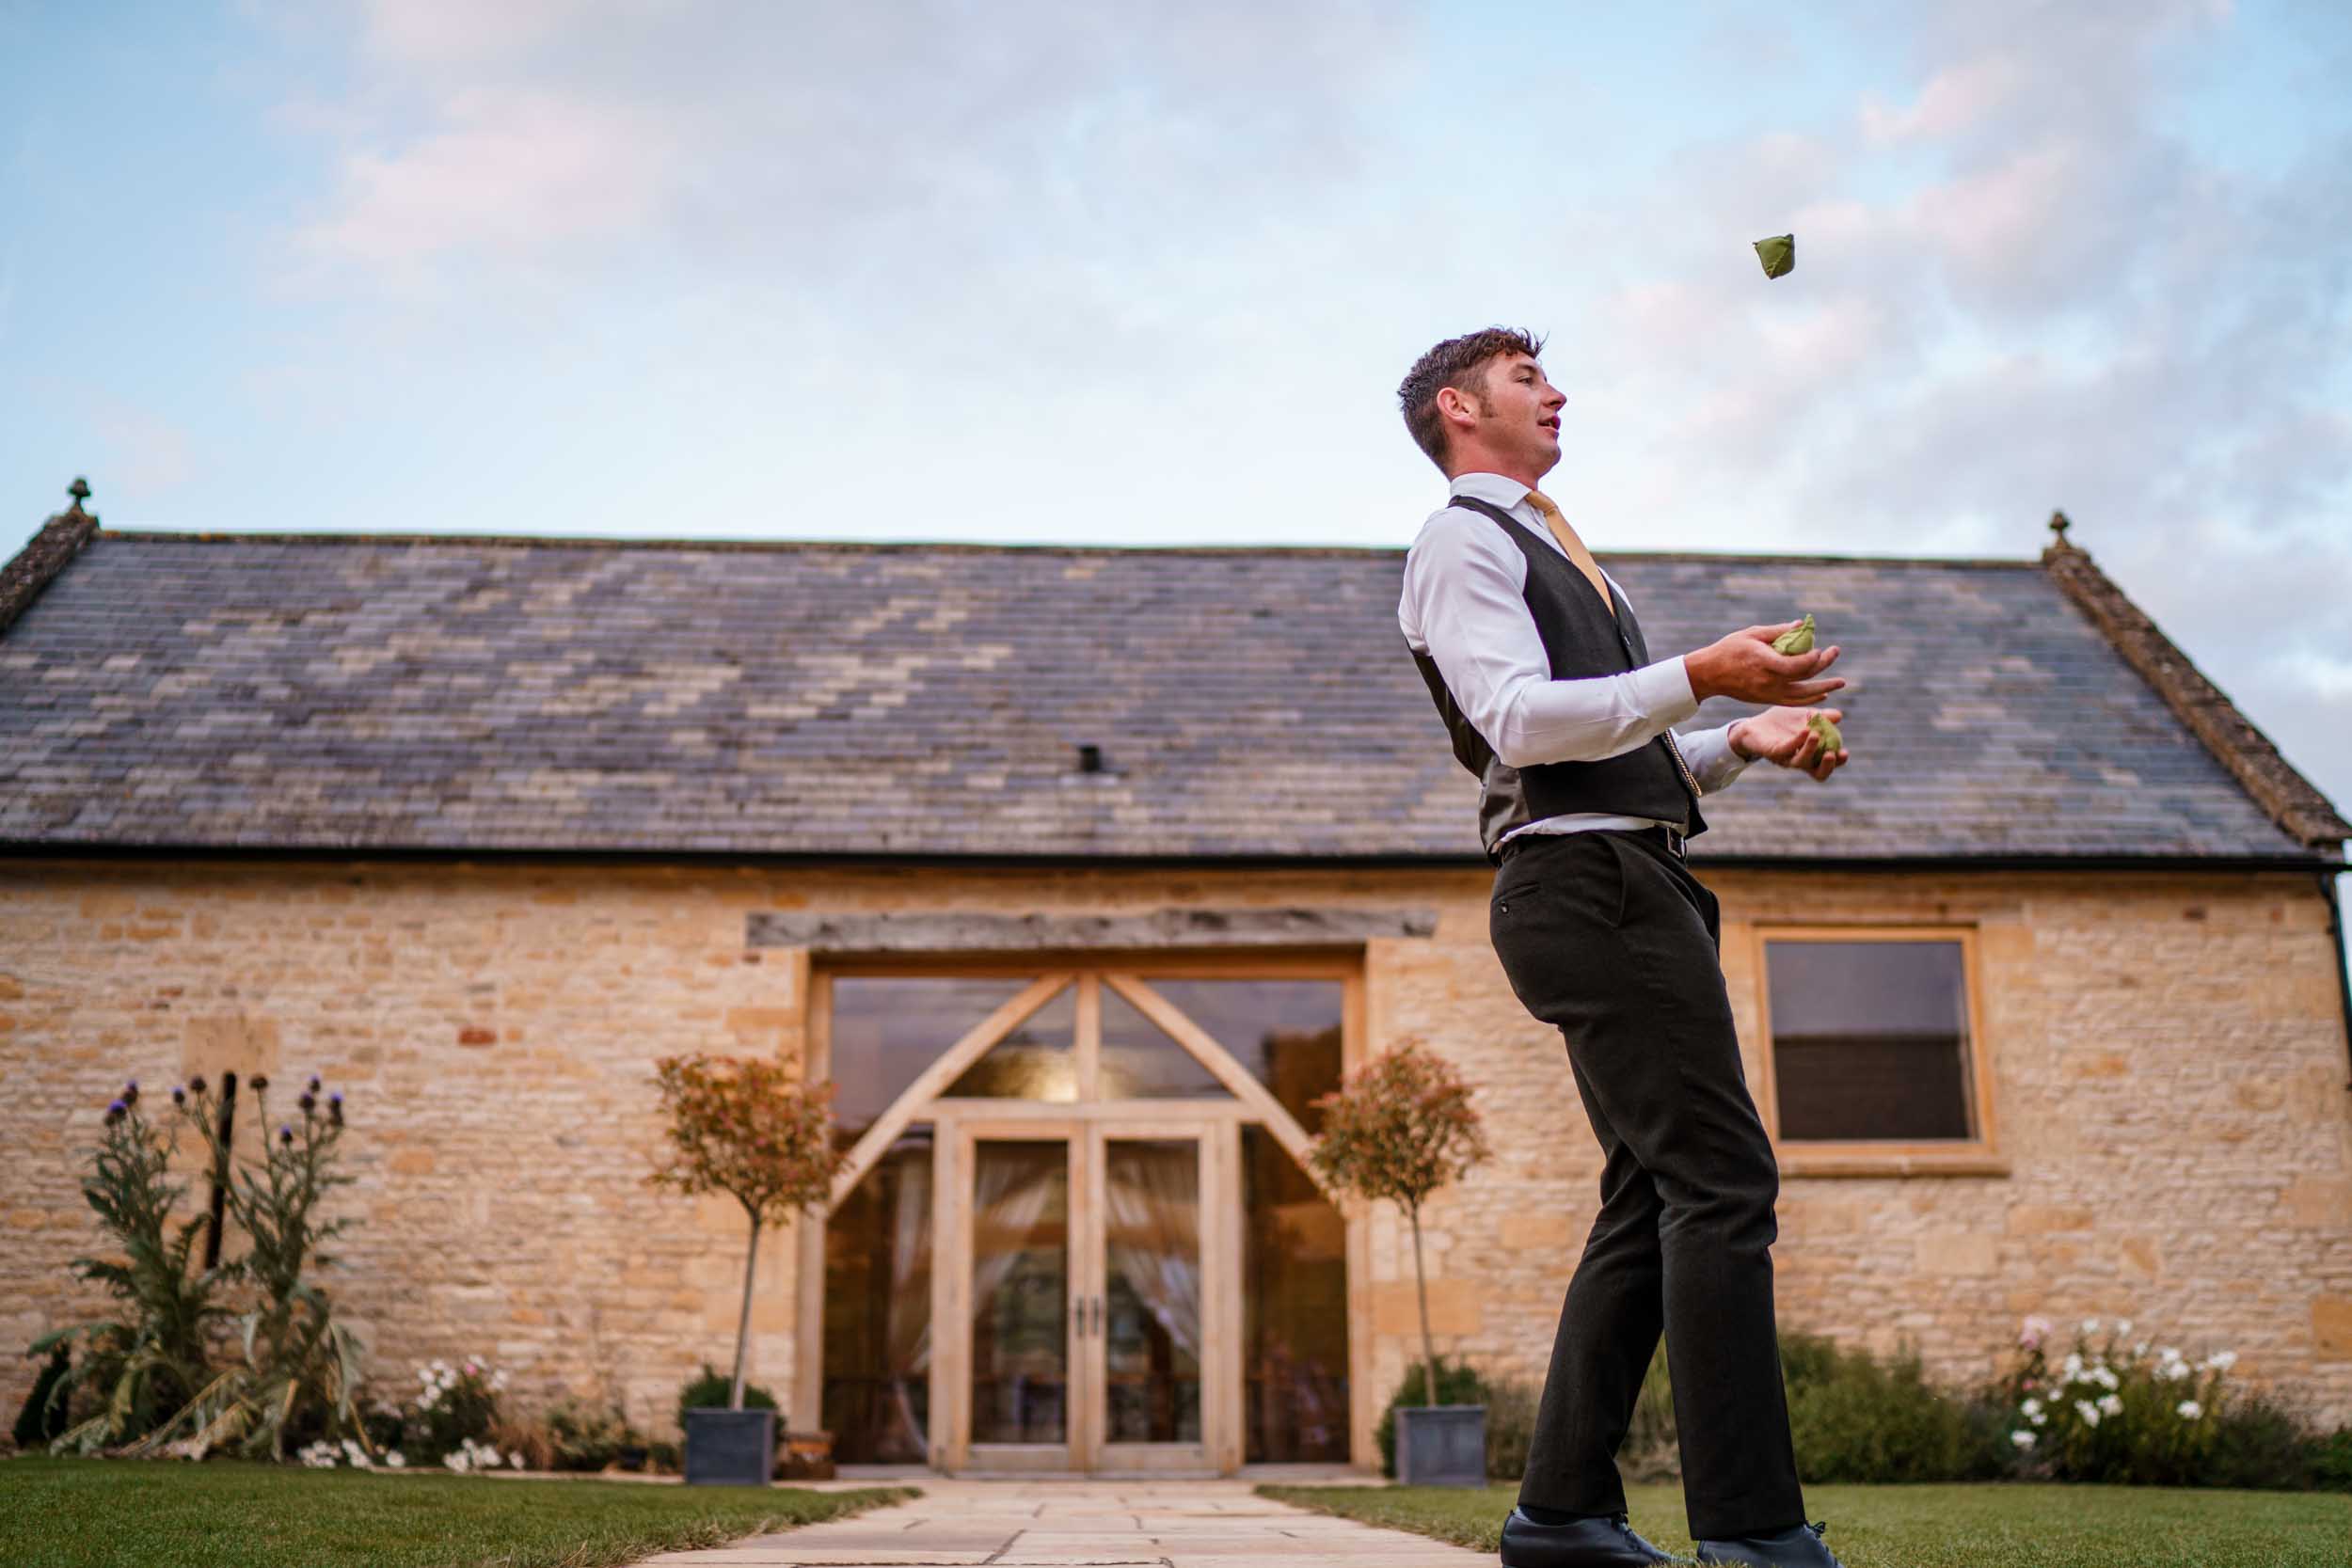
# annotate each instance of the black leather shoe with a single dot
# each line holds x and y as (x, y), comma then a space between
(1605, 1541)
(1799, 1546)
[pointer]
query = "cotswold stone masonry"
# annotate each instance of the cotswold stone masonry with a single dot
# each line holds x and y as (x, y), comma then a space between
(2168, 1055)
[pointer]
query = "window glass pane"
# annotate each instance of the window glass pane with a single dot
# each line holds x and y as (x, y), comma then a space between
(1293, 1311)
(1038, 1060)
(1152, 1299)
(878, 1311)
(1020, 1291)
(1285, 1032)
(1141, 1063)
(1869, 1039)
(887, 1030)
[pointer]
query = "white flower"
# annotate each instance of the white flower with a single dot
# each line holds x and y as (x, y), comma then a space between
(2140, 1350)
(2030, 1409)
(2022, 1440)
(2088, 1411)
(2173, 1372)
(457, 1461)
(2222, 1360)
(2090, 1325)
(515, 1460)
(2169, 1353)
(2112, 1405)
(2032, 1332)
(397, 1460)
(2122, 1328)
(2072, 1368)
(2038, 1418)
(2189, 1409)
(2104, 1376)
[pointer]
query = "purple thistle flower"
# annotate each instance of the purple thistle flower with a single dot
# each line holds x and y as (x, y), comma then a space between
(195, 1085)
(261, 1082)
(314, 1082)
(178, 1095)
(285, 1134)
(309, 1102)
(117, 1105)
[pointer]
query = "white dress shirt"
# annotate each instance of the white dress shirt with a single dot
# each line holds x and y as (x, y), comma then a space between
(1465, 605)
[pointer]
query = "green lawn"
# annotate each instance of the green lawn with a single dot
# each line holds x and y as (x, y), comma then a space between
(159, 1513)
(1943, 1526)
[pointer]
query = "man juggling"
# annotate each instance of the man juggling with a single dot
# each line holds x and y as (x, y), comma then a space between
(1537, 664)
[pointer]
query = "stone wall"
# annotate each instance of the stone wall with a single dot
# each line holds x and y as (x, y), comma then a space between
(2168, 1049)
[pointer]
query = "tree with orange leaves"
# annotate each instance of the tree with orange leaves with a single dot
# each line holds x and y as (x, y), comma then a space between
(746, 1127)
(1400, 1129)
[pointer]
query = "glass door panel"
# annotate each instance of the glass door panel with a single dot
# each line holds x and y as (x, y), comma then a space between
(1152, 1346)
(1021, 1292)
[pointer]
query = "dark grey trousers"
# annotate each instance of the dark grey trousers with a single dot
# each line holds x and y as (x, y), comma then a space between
(1608, 936)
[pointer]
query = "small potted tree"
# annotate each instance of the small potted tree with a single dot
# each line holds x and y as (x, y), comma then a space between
(1400, 1129)
(745, 1127)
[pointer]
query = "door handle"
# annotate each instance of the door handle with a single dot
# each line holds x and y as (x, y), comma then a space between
(1078, 1317)
(1098, 1315)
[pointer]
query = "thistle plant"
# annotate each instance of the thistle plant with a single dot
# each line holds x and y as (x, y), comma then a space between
(745, 1127)
(1400, 1129)
(296, 1364)
(141, 1366)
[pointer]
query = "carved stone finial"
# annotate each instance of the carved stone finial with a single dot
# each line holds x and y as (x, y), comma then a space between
(79, 490)
(2059, 525)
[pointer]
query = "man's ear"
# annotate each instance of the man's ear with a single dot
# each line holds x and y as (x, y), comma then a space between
(1455, 408)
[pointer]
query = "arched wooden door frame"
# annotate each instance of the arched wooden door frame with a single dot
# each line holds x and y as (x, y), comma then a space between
(1128, 976)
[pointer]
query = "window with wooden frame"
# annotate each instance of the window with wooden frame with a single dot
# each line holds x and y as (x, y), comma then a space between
(1875, 1061)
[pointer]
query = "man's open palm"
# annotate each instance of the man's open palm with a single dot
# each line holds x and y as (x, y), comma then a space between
(1783, 736)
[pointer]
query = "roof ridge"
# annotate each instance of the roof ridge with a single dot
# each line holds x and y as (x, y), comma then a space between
(2289, 798)
(531, 541)
(45, 555)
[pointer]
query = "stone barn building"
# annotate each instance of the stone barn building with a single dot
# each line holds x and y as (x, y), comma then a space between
(1082, 873)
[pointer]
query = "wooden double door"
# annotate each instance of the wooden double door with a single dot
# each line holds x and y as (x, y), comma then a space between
(1088, 1278)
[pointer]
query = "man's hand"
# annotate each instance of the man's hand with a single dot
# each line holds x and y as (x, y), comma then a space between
(1781, 735)
(1744, 666)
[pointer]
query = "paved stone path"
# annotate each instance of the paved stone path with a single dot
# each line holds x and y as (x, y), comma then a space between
(1102, 1524)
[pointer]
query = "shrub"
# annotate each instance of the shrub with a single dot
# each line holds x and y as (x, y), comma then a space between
(2260, 1443)
(711, 1391)
(135, 1370)
(2331, 1460)
(1458, 1383)
(2131, 1412)
(455, 1410)
(41, 1419)
(1652, 1450)
(1854, 1419)
(1510, 1426)
(529, 1444)
(587, 1437)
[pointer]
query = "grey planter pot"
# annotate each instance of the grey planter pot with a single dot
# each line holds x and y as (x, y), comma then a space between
(730, 1447)
(1441, 1444)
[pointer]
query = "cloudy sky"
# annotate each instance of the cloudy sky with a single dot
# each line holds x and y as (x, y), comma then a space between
(1139, 274)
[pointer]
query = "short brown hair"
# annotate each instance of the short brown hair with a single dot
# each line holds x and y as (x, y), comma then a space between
(1461, 364)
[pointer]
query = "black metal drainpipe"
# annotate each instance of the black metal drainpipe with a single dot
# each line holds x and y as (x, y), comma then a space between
(2344, 975)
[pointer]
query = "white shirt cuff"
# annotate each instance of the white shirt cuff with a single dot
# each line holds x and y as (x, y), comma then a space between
(1663, 692)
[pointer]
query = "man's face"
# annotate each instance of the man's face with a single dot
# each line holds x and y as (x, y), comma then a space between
(1519, 415)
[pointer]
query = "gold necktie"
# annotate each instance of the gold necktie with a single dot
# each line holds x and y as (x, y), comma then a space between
(1550, 513)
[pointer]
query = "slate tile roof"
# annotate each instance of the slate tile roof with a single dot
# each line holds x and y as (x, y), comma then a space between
(471, 694)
